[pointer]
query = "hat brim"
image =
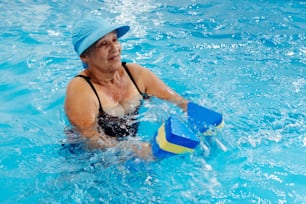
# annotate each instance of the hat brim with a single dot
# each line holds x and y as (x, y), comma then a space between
(99, 33)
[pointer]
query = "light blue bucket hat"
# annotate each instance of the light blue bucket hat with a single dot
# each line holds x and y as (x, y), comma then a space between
(88, 30)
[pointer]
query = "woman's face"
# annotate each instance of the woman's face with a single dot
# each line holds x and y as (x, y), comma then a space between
(104, 54)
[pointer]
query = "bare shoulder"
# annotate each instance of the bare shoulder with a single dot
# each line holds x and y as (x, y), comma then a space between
(76, 83)
(78, 94)
(146, 80)
(138, 71)
(135, 68)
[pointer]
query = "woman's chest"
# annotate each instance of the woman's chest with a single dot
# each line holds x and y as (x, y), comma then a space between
(119, 100)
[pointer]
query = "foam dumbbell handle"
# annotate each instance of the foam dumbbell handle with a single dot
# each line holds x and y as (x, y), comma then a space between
(201, 118)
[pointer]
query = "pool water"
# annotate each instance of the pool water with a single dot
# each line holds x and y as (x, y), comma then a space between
(244, 59)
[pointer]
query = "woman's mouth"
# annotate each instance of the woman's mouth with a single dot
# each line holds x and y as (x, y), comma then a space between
(115, 57)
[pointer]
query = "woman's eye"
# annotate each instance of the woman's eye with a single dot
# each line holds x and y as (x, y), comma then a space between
(102, 44)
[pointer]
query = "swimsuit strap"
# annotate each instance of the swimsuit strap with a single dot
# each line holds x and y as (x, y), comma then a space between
(144, 95)
(93, 88)
(131, 77)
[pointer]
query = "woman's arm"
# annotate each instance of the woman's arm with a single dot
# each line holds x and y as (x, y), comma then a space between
(149, 83)
(81, 107)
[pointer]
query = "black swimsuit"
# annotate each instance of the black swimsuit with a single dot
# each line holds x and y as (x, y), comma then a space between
(119, 127)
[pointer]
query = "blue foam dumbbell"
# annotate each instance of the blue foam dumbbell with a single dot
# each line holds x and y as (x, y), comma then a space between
(201, 118)
(172, 138)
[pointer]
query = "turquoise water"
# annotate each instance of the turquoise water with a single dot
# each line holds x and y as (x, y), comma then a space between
(245, 59)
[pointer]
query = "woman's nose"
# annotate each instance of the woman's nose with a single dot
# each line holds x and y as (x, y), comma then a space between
(114, 47)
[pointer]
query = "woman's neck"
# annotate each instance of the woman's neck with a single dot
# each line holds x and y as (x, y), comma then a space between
(105, 78)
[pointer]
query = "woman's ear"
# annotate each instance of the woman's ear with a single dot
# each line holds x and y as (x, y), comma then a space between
(84, 59)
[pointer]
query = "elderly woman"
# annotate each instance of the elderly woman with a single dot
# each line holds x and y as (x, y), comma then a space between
(102, 101)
